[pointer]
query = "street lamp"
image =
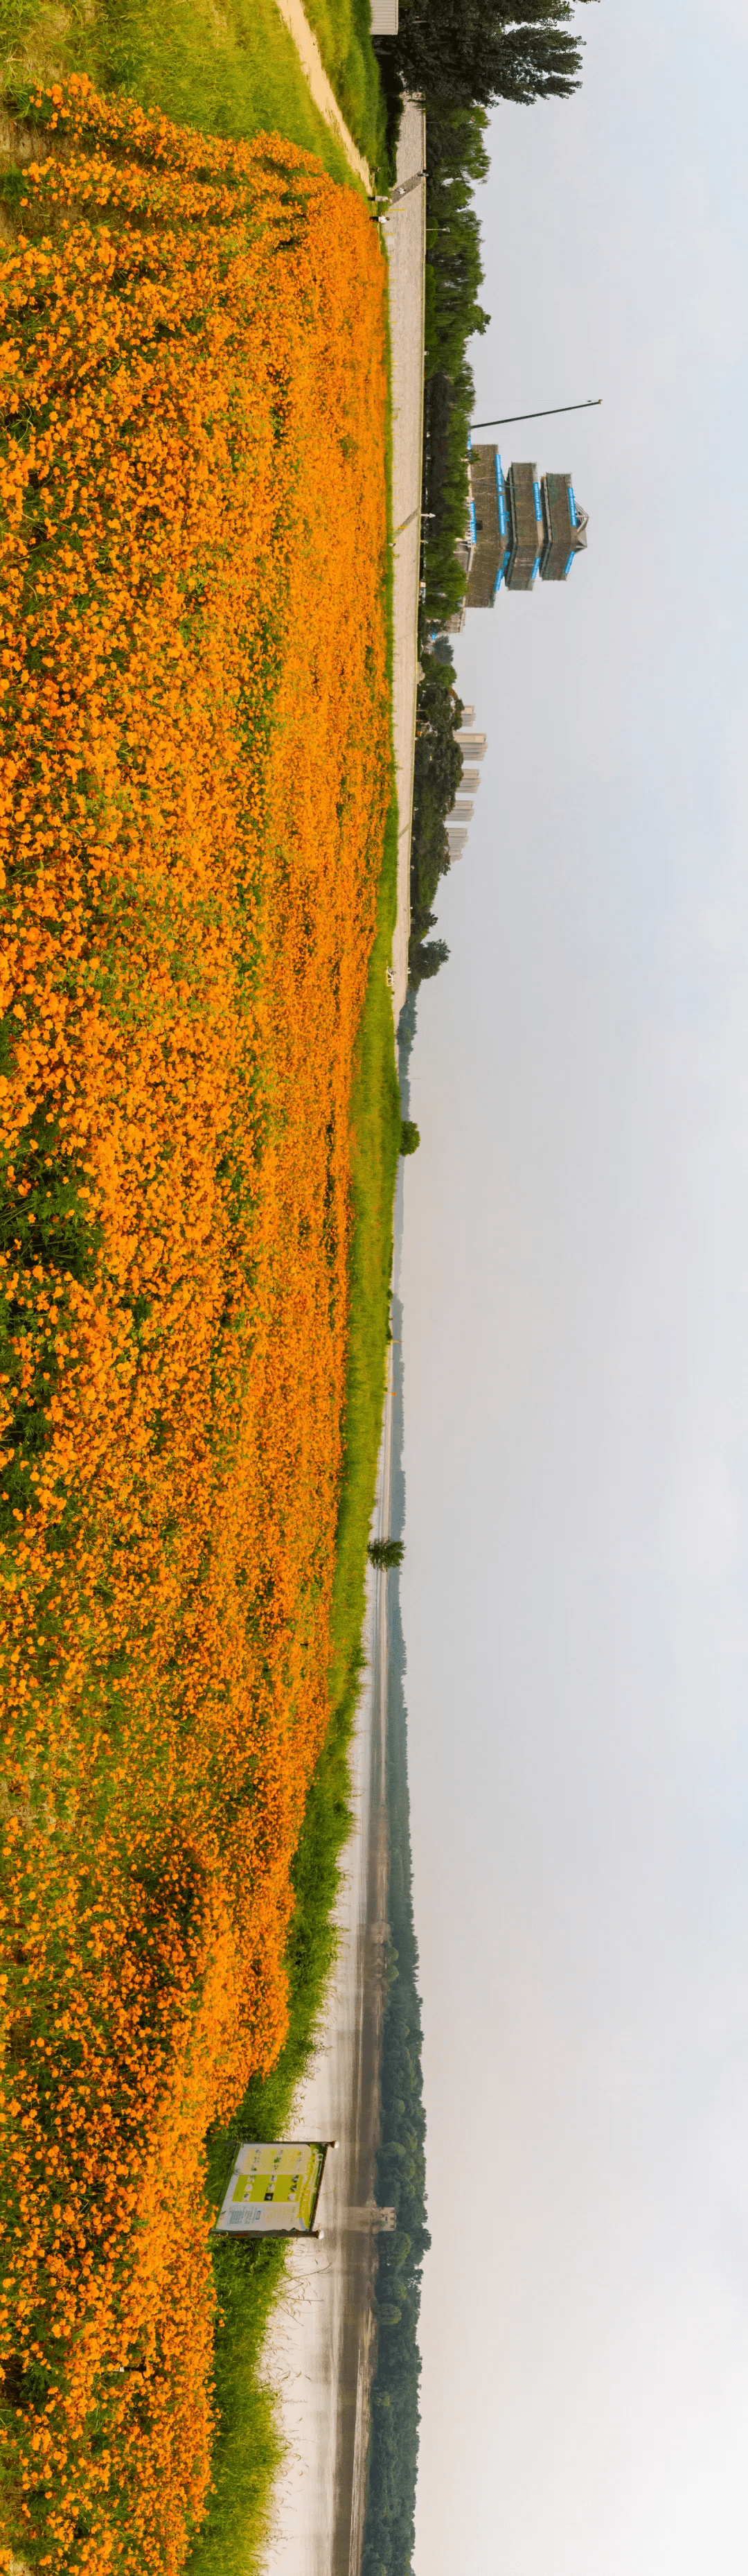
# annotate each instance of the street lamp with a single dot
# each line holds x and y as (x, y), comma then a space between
(592, 404)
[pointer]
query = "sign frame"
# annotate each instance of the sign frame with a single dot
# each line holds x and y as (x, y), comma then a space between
(277, 2148)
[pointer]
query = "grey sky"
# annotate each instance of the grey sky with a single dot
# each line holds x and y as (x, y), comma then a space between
(575, 1282)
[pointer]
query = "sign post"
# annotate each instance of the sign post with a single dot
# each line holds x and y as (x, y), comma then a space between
(274, 2190)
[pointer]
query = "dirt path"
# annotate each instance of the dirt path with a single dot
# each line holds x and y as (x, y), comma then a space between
(310, 58)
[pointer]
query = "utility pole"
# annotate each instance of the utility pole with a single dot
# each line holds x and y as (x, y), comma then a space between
(592, 404)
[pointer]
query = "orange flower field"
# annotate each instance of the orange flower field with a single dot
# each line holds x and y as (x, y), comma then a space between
(195, 781)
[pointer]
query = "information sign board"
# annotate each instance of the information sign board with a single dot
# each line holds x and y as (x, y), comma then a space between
(274, 2190)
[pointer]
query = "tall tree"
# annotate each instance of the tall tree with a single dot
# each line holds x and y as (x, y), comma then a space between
(471, 52)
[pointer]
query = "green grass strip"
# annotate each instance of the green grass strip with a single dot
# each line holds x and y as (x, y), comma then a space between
(231, 71)
(247, 2451)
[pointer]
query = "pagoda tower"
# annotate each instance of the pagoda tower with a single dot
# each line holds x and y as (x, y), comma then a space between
(518, 525)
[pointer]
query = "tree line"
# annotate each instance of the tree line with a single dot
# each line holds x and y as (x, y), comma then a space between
(457, 161)
(460, 56)
(436, 778)
(401, 2174)
(468, 53)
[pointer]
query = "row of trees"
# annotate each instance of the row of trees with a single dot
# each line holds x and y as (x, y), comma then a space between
(438, 769)
(467, 53)
(460, 56)
(457, 161)
(401, 2178)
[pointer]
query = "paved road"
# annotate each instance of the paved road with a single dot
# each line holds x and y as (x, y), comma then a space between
(319, 2350)
(404, 231)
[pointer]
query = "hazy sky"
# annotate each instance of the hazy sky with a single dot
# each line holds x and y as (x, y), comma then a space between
(575, 1282)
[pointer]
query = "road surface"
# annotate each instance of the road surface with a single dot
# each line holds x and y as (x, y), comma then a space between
(319, 2350)
(404, 233)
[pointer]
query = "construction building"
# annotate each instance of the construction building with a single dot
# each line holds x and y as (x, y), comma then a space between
(472, 746)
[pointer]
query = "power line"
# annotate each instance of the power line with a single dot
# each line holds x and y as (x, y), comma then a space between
(552, 414)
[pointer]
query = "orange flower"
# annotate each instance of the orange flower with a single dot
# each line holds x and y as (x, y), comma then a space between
(191, 818)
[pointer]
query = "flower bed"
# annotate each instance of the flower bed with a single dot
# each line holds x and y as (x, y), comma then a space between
(192, 673)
